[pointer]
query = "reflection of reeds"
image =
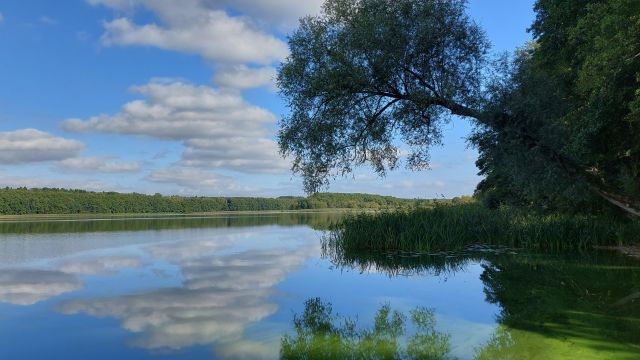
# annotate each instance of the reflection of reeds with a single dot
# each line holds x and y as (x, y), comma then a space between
(446, 228)
(397, 263)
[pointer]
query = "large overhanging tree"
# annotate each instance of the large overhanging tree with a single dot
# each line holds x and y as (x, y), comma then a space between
(366, 74)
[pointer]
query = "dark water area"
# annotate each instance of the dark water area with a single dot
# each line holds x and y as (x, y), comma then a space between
(264, 287)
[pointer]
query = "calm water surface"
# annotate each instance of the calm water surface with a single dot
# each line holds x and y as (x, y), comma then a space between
(257, 287)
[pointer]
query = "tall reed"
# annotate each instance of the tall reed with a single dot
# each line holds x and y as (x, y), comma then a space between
(445, 228)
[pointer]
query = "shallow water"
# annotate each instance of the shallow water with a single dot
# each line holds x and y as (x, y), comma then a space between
(232, 287)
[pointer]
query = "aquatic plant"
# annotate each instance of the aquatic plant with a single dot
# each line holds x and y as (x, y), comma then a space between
(444, 228)
(320, 334)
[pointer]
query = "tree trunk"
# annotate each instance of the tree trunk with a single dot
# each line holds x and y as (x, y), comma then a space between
(628, 205)
(621, 202)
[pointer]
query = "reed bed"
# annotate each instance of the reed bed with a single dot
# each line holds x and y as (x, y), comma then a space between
(446, 228)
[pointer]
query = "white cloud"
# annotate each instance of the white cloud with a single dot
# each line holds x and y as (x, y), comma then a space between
(281, 14)
(27, 287)
(191, 178)
(192, 27)
(31, 145)
(249, 155)
(206, 28)
(99, 164)
(243, 77)
(218, 128)
(271, 14)
(180, 111)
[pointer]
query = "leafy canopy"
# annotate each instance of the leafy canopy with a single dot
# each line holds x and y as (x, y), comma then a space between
(576, 90)
(365, 73)
(557, 124)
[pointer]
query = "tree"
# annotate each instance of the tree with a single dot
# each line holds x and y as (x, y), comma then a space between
(575, 92)
(364, 74)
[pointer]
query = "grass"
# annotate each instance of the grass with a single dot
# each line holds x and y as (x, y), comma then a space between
(445, 228)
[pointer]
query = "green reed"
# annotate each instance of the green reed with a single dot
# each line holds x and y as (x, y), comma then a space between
(455, 227)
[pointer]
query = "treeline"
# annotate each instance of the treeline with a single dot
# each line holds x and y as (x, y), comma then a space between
(22, 201)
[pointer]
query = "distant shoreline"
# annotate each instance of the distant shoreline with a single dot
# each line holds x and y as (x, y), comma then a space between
(151, 216)
(23, 203)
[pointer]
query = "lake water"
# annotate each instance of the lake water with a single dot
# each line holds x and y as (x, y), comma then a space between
(261, 286)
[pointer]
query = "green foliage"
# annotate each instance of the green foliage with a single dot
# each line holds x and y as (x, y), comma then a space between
(558, 125)
(576, 92)
(445, 228)
(363, 73)
(319, 334)
(22, 201)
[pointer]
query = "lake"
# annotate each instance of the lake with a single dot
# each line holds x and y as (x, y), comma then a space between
(262, 286)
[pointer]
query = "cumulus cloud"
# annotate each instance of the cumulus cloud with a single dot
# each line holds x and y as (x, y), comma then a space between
(191, 178)
(218, 128)
(191, 26)
(206, 28)
(243, 77)
(221, 296)
(99, 164)
(27, 287)
(280, 14)
(239, 153)
(31, 145)
(180, 111)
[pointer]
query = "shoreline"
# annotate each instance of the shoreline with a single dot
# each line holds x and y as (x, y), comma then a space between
(628, 250)
(134, 216)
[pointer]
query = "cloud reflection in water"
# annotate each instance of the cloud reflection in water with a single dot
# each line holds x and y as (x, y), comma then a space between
(28, 286)
(221, 296)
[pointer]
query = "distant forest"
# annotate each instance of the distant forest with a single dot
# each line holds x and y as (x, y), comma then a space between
(22, 201)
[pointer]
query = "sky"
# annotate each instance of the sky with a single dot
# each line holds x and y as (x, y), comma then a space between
(178, 97)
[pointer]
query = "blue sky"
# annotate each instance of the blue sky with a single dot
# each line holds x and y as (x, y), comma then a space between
(177, 97)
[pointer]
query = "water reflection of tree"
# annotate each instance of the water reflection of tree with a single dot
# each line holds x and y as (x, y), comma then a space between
(319, 334)
(320, 220)
(588, 302)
